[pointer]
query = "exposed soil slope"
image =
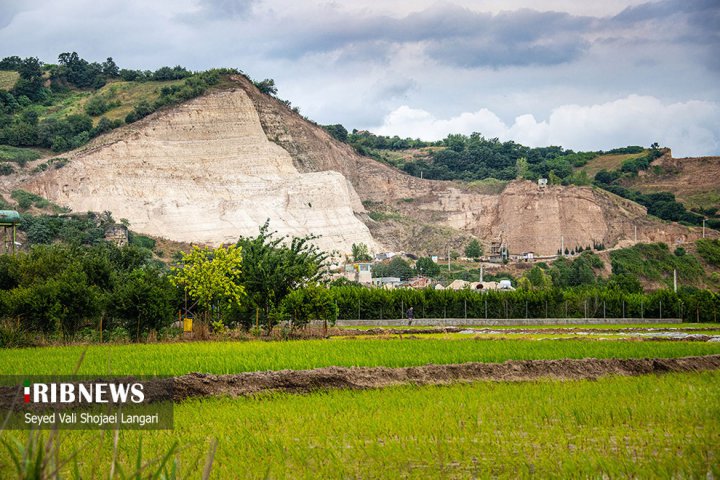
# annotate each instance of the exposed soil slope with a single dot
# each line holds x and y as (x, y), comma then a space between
(205, 172)
(694, 181)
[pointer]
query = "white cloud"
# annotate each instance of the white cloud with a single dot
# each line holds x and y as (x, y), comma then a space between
(690, 128)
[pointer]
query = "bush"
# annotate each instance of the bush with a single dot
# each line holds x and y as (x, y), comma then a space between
(143, 300)
(709, 250)
(310, 303)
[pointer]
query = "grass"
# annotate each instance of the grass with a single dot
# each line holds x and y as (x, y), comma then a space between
(8, 79)
(609, 162)
(236, 357)
(617, 427)
(655, 262)
(18, 155)
(701, 199)
(128, 94)
(679, 326)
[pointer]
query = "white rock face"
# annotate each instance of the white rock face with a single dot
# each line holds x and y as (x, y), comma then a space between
(205, 172)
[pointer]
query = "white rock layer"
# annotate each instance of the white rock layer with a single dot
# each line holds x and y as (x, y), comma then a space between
(205, 172)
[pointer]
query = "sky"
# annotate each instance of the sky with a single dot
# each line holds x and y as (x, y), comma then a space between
(586, 75)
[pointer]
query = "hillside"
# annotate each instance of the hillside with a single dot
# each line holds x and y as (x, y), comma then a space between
(217, 166)
(694, 181)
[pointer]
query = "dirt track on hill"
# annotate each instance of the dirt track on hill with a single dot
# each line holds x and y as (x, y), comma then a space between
(304, 381)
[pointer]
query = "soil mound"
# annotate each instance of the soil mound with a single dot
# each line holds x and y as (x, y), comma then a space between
(303, 381)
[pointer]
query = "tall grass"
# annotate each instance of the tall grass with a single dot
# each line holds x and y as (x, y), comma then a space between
(236, 357)
(637, 427)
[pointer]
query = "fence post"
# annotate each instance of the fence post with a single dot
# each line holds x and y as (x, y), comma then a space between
(660, 309)
(604, 314)
(465, 300)
(623, 309)
(402, 308)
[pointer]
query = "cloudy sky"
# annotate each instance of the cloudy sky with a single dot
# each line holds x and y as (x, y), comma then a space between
(581, 74)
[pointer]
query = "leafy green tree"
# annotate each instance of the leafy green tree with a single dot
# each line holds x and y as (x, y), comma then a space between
(539, 280)
(522, 168)
(473, 249)
(625, 282)
(360, 252)
(337, 131)
(210, 276)
(397, 267)
(30, 83)
(143, 300)
(273, 267)
(267, 86)
(310, 303)
(110, 68)
(426, 266)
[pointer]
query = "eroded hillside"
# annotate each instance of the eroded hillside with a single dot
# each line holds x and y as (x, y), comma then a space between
(218, 166)
(205, 172)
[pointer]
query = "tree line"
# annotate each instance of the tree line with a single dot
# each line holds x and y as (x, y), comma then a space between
(24, 122)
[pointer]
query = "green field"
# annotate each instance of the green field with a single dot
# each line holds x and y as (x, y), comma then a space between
(236, 357)
(615, 427)
(642, 427)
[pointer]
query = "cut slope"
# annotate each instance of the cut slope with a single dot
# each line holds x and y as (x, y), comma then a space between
(205, 172)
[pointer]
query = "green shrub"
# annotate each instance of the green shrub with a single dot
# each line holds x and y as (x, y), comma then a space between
(709, 250)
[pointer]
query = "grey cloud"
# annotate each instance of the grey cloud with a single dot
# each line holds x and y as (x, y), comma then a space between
(10, 8)
(478, 53)
(393, 89)
(219, 10)
(452, 35)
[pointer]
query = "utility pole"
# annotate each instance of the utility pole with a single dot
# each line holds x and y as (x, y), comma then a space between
(481, 274)
(675, 280)
(562, 245)
(635, 233)
(448, 258)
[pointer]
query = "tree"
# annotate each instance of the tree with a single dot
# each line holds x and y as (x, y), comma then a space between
(211, 276)
(625, 282)
(267, 86)
(360, 253)
(426, 266)
(400, 268)
(522, 167)
(110, 69)
(473, 249)
(31, 81)
(310, 303)
(539, 280)
(337, 131)
(144, 300)
(273, 268)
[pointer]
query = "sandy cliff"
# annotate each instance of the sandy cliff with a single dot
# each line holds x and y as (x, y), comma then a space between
(205, 172)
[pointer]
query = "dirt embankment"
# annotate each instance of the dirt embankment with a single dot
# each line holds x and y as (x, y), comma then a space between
(303, 381)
